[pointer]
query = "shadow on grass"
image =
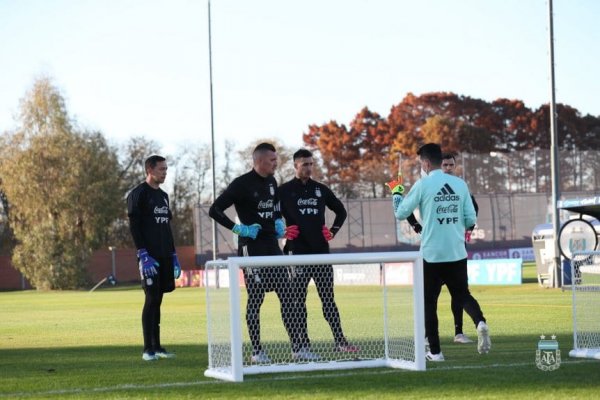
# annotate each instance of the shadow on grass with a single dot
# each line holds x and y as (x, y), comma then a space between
(59, 368)
(107, 371)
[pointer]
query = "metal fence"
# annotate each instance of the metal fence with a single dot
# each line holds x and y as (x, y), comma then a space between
(513, 191)
(504, 221)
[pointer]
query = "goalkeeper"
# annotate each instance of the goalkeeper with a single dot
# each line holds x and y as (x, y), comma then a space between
(303, 204)
(255, 198)
(149, 221)
(447, 210)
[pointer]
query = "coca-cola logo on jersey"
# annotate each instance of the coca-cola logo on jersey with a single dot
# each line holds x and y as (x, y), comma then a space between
(265, 204)
(451, 209)
(307, 202)
(161, 210)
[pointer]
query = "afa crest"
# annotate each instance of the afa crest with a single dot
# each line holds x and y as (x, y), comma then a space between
(547, 355)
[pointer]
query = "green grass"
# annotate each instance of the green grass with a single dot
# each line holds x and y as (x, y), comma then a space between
(88, 345)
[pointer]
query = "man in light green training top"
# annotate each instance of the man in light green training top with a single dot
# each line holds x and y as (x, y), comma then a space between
(447, 211)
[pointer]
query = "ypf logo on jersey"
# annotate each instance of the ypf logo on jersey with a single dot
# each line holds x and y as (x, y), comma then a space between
(547, 355)
(161, 214)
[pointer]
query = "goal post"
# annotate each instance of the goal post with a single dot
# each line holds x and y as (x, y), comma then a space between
(585, 286)
(379, 297)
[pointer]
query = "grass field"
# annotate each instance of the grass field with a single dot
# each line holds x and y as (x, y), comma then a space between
(88, 345)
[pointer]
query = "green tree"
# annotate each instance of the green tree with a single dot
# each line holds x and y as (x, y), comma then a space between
(131, 172)
(61, 186)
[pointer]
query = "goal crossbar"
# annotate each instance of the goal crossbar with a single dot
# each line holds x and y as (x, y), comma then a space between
(225, 347)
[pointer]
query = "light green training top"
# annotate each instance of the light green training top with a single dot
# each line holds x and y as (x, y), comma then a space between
(446, 209)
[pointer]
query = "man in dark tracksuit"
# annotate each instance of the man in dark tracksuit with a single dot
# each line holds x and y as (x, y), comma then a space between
(448, 165)
(303, 204)
(149, 221)
(254, 196)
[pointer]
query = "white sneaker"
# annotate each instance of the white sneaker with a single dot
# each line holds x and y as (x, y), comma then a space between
(149, 356)
(305, 354)
(484, 343)
(462, 338)
(348, 348)
(434, 357)
(162, 353)
(260, 358)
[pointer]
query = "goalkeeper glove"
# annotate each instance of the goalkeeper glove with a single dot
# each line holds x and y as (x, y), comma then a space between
(396, 186)
(147, 264)
(327, 233)
(468, 236)
(290, 232)
(246, 231)
(176, 266)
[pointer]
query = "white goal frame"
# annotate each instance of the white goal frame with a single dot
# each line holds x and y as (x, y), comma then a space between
(231, 367)
(585, 286)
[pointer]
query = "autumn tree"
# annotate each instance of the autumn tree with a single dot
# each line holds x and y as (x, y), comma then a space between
(60, 183)
(461, 124)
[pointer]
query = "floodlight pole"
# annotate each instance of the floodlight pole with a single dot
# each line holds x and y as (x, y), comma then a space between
(212, 136)
(554, 161)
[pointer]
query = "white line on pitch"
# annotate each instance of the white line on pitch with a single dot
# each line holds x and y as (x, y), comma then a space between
(287, 377)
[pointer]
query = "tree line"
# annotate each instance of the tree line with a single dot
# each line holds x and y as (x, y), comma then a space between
(372, 144)
(63, 187)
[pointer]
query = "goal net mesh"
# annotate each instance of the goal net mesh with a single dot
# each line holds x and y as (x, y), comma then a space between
(586, 304)
(309, 316)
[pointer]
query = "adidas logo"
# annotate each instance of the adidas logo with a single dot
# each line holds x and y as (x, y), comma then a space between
(446, 193)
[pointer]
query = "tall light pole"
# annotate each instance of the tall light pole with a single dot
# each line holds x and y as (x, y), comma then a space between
(212, 136)
(554, 164)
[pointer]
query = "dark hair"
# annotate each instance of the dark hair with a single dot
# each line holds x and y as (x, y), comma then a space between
(264, 147)
(152, 161)
(302, 153)
(448, 156)
(431, 152)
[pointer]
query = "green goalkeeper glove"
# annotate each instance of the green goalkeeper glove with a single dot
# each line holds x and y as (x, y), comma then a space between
(396, 186)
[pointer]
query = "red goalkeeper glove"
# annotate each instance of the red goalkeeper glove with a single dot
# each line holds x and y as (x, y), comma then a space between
(327, 233)
(291, 232)
(468, 236)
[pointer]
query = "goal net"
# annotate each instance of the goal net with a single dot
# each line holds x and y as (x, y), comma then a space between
(585, 273)
(320, 312)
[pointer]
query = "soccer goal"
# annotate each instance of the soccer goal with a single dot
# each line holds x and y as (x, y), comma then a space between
(585, 273)
(379, 298)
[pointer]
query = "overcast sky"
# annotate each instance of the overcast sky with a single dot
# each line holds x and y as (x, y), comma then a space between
(140, 67)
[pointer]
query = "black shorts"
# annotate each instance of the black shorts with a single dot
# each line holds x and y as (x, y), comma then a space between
(266, 278)
(164, 281)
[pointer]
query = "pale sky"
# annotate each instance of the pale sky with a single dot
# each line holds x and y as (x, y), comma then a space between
(140, 67)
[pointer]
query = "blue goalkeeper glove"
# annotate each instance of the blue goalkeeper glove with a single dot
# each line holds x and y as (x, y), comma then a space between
(176, 266)
(246, 231)
(280, 228)
(147, 264)
(289, 232)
